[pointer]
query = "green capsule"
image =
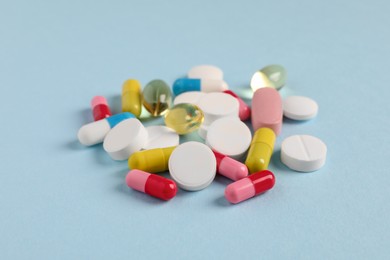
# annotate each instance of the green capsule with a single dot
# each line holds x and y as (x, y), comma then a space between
(184, 118)
(157, 97)
(277, 74)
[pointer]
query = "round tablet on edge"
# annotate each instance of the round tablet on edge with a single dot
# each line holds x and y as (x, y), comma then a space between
(191, 97)
(125, 138)
(229, 136)
(299, 108)
(216, 105)
(160, 136)
(202, 131)
(303, 153)
(205, 72)
(192, 166)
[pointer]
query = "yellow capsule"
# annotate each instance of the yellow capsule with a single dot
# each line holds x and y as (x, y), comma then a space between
(153, 160)
(184, 118)
(260, 80)
(131, 97)
(261, 149)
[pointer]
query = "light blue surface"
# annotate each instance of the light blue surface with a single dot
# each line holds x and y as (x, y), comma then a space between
(59, 200)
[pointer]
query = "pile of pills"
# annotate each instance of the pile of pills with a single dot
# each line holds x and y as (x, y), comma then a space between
(203, 103)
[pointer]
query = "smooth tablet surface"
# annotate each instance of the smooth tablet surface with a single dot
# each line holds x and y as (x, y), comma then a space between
(299, 108)
(303, 153)
(191, 97)
(160, 136)
(229, 136)
(192, 166)
(205, 72)
(125, 138)
(217, 105)
(202, 131)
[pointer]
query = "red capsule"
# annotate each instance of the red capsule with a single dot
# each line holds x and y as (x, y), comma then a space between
(151, 184)
(100, 108)
(230, 168)
(244, 110)
(250, 186)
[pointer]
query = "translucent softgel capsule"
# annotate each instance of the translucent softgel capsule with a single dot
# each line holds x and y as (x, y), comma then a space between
(260, 80)
(184, 118)
(277, 74)
(157, 97)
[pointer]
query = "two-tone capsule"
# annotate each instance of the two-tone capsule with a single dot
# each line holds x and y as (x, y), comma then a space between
(204, 85)
(100, 108)
(244, 110)
(151, 184)
(261, 149)
(229, 167)
(94, 133)
(250, 186)
(131, 97)
(153, 160)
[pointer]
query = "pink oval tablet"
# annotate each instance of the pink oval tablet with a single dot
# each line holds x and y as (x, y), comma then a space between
(267, 110)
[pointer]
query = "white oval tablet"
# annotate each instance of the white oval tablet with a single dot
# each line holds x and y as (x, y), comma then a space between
(160, 136)
(191, 97)
(192, 166)
(202, 131)
(205, 72)
(303, 153)
(125, 138)
(229, 136)
(217, 105)
(299, 108)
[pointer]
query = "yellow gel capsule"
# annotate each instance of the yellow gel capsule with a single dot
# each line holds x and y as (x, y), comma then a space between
(153, 160)
(131, 97)
(261, 149)
(157, 97)
(261, 80)
(184, 118)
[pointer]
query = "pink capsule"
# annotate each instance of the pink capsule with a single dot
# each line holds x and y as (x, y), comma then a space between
(244, 110)
(151, 184)
(100, 108)
(230, 168)
(267, 110)
(250, 186)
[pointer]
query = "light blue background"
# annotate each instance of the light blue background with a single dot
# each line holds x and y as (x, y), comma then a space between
(59, 200)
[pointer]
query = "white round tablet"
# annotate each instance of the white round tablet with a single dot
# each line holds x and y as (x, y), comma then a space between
(303, 153)
(160, 136)
(202, 131)
(191, 97)
(299, 108)
(125, 138)
(205, 72)
(192, 166)
(217, 105)
(229, 136)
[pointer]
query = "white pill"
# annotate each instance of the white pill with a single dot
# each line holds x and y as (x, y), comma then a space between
(303, 153)
(299, 108)
(205, 72)
(191, 97)
(202, 131)
(125, 138)
(160, 136)
(217, 105)
(229, 136)
(192, 166)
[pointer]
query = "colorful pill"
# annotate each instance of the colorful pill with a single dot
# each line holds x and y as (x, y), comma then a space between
(204, 85)
(184, 118)
(230, 168)
(153, 160)
(267, 110)
(151, 184)
(131, 97)
(100, 108)
(250, 186)
(260, 151)
(94, 133)
(157, 97)
(277, 74)
(205, 72)
(244, 110)
(261, 80)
